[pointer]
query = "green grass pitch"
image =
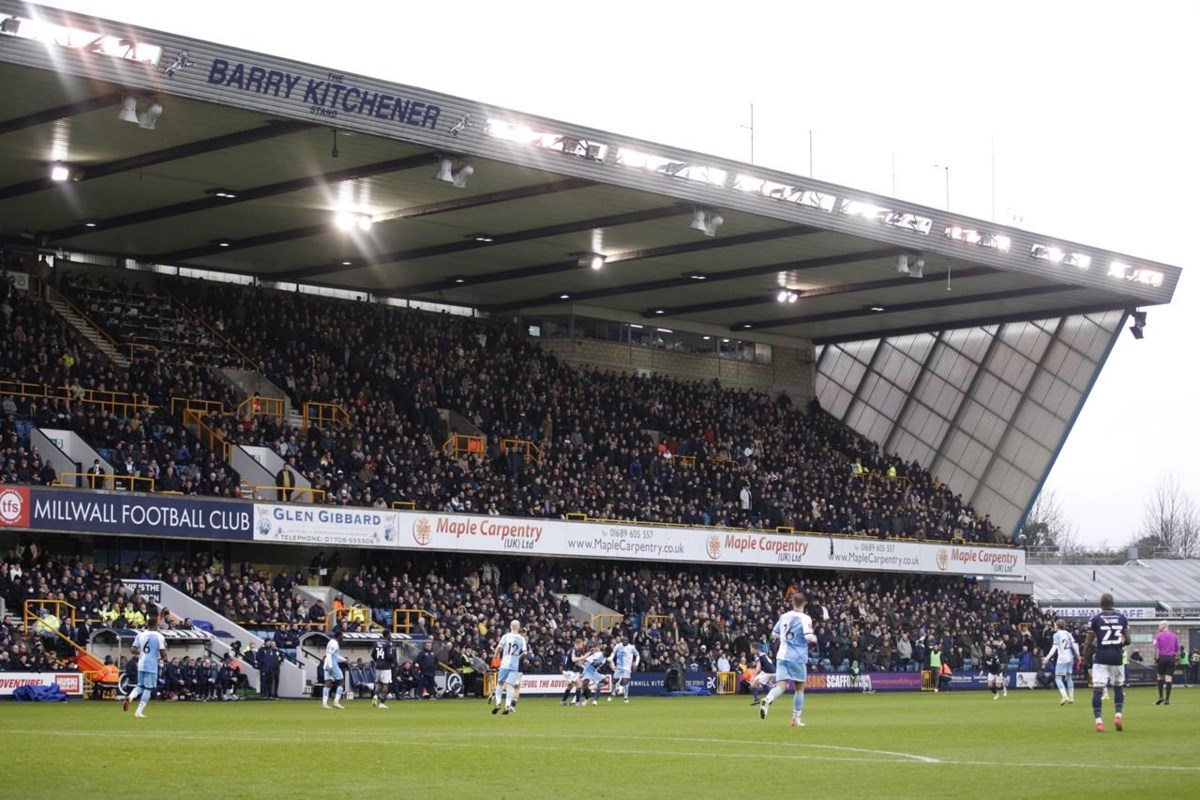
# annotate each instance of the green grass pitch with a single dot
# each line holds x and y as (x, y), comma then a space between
(956, 744)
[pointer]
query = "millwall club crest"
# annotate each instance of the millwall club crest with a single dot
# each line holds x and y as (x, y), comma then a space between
(422, 533)
(943, 559)
(713, 545)
(182, 61)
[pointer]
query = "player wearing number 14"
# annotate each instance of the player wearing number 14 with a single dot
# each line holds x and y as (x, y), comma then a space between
(1107, 638)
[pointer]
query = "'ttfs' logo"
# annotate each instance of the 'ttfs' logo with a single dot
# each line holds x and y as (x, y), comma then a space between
(14, 508)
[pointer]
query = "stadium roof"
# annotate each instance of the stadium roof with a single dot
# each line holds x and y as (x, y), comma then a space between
(1173, 583)
(188, 153)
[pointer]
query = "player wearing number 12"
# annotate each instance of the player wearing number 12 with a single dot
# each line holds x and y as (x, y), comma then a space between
(1107, 637)
(795, 633)
(149, 646)
(511, 649)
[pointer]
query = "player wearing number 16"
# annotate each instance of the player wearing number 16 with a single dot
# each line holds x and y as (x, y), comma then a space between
(1107, 637)
(149, 646)
(795, 633)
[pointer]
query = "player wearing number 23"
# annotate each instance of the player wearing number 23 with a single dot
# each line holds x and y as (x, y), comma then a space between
(1107, 637)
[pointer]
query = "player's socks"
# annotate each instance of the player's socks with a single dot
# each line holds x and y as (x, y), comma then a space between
(566, 695)
(1097, 703)
(1160, 684)
(773, 694)
(142, 705)
(1119, 698)
(797, 705)
(325, 696)
(1169, 685)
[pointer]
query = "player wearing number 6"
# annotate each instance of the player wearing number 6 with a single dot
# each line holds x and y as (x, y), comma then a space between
(795, 633)
(149, 646)
(1107, 638)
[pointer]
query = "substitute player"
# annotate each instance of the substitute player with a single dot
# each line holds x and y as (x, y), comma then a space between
(795, 633)
(149, 646)
(1065, 652)
(1106, 641)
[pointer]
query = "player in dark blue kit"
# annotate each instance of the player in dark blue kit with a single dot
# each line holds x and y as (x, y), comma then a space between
(1107, 638)
(383, 657)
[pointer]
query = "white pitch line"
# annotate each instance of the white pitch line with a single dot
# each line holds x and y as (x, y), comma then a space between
(425, 739)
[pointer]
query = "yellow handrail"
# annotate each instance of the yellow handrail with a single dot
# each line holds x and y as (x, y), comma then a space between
(530, 449)
(316, 413)
(266, 407)
(134, 347)
(60, 297)
(247, 362)
(271, 492)
(409, 504)
(119, 403)
(133, 480)
(181, 405)
(404, 619)
(463, 443)
(606, 622)
(207, 436)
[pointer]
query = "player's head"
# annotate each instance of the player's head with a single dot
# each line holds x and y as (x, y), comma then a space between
(798, 600)
(337, 632)
(1162, 625)
(151, 617)
(1058, 623)
(515, 626)
(387, 635)
(1106, 601)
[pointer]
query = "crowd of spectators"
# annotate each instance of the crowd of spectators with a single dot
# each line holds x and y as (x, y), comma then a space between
(611, 445)
(693, 618)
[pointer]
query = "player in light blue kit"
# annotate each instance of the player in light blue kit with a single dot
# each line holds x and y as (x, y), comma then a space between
(795, 632)
(623, 661)
(149, 646)
(591, 676)
(1065, 653)
(511, 650)
(333, 670)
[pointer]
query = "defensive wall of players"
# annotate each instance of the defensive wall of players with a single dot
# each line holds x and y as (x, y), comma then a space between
(129, 514)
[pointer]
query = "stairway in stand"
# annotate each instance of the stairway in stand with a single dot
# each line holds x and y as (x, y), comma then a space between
(89, 331)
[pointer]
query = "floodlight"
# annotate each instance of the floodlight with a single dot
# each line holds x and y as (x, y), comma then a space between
(459, 174)
(150, 116)
(129, 111)
(593, 260)
(59, 172)
(902, 265)
(706, 221)
(786, 296)
(1139, 324)
(917, 268)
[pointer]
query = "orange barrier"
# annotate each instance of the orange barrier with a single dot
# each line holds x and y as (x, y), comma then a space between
(320, 414)
(462, 443)
(529, 449)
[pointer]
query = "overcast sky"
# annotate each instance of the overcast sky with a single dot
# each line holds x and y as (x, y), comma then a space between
(1084, 112)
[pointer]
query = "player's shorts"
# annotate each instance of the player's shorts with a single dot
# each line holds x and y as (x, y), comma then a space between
(1165, 666)
(791, 671)
(148, 679)
(333, 673)
(383, 676)
(591, 677)
(996, 680)
(1064, 667)
(570, 676)
(511, 677)
(1108, 675)
(621, 675)
(762, 679)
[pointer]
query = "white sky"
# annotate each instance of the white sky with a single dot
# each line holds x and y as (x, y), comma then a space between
(1090, 106)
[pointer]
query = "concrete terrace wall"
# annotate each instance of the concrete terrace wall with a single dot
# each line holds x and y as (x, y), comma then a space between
(791, 369)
